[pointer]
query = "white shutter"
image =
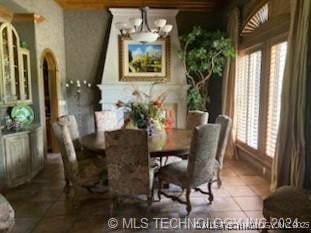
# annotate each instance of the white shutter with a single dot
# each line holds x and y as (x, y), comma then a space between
(241, 98)
(247, 98)
(277, 65)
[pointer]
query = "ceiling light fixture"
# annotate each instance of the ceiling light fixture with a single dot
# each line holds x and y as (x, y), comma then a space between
(139, 30)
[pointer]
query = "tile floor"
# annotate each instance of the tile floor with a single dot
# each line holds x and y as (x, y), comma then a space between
(42, 207)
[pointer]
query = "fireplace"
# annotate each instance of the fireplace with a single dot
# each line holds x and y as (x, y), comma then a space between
(113, 90)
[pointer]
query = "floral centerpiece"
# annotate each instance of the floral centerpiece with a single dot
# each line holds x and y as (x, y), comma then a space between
(144, 112)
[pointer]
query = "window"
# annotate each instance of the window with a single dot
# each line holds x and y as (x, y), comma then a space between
(258, 85)
(277, 65)
(248, 98)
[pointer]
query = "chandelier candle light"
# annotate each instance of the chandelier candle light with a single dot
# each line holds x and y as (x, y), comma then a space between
(140, 31)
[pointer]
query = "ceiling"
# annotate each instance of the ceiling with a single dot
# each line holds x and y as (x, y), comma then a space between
(187, 5)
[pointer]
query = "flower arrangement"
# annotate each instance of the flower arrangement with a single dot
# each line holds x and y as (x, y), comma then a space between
(143, 111)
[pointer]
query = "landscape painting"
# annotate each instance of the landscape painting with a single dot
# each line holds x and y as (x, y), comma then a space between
(144, 58)
(143, 62)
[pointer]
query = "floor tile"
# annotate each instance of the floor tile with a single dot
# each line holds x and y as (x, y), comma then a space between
(60, 224)
(254, 180)
(31, 209)
(261, 190)
(238, 191)
(41, 206)
(224, 204)
(232, 181)
(24, 225)
(249, 203)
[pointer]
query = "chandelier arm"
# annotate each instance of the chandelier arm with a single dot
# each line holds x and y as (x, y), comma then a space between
(145, 19)
(142, 17)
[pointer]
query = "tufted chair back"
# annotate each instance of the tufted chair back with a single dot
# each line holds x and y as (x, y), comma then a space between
(203, 149)
(127, 159)
(63, 136)
(196, 118)
(226, 125)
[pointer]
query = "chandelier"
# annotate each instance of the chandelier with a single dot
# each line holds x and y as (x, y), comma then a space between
(139, 30)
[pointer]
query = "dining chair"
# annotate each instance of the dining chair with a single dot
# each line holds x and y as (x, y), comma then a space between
(128, 163)
(198, 169)
(196, 118)
(85, 173)
(71, 122)
(109, 120)
(225, 129)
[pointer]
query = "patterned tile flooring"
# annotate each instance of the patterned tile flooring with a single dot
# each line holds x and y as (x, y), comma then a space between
(42, 207)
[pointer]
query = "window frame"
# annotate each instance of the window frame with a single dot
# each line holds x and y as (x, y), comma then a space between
(265, 48)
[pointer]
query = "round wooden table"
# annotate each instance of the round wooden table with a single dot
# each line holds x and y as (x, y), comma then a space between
(173, 142)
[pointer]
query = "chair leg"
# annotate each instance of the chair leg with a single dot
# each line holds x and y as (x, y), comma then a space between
(67, 186)
(149, 201)
(159, 188)
(75, 196)
(219, 182)
(188, 200)
(166, 159)
(211, 196)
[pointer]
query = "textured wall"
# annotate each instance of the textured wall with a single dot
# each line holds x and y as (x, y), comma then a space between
(85, 33)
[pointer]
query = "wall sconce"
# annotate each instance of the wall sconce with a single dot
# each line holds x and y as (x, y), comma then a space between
(78, 84)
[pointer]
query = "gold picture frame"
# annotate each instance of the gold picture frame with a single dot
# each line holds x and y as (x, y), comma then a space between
(136, 63)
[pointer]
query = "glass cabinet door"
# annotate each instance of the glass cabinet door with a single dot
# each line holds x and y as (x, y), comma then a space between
(10, 61)
(16, 66)
(7, 92)
(26, 78)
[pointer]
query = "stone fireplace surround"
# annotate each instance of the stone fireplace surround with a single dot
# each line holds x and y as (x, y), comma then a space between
(113, 90)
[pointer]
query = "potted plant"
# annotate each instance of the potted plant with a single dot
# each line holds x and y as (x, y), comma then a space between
(203, 55)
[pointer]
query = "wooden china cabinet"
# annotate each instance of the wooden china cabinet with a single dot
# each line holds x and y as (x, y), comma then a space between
(22, 151)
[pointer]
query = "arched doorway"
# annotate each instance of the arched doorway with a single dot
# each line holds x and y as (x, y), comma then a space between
(50, 95)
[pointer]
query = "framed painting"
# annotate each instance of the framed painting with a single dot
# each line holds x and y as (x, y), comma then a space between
(144, 62)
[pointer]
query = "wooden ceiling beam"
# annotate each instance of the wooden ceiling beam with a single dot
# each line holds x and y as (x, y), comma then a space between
(28, 17)
(6, 14)
(199, 5)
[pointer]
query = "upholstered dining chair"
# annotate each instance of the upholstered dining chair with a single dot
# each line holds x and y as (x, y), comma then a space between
(71, 122)
(198, 169)
(196, 118)
(109, 120)
(84, 173)
(128, 163)
(225, 129)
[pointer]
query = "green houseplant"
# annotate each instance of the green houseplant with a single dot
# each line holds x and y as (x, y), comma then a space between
(203, 54)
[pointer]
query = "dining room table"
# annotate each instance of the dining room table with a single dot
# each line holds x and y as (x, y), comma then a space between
(171, 142)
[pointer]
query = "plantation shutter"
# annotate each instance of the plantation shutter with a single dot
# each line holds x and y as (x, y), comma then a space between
(248, 98)
(277, 65)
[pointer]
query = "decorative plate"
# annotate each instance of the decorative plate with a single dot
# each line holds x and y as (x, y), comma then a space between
(23, 113)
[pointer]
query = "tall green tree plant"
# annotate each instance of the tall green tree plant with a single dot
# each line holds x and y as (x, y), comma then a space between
(203, 55)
